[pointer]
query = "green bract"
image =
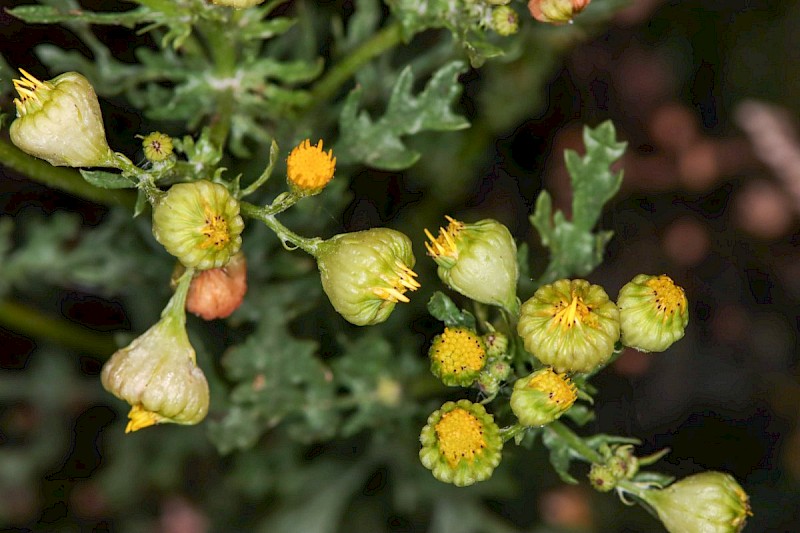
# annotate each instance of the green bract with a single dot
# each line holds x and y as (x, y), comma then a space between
(157, 373)
(710, 502)
(570, 325)
(461, 443)
(653, 313)
(366, 273)
(478, 260)
(542, 397)
(60, 121)
(199, 223)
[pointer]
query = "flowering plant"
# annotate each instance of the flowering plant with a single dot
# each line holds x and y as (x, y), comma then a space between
(309, 342)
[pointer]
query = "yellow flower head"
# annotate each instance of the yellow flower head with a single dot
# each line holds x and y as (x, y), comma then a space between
(309, 168)
(29, 89)
(157, 146)
(653, 313)
(445, 243)
(457, 356)
(461, 443)
(542, 397)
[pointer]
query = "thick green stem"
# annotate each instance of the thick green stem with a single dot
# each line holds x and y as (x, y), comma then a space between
(575, 442)
(382, 41)
(27, 321)
(222, 45)
(65, 179)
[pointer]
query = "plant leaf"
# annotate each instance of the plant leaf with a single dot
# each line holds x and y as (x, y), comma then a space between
(444, 309)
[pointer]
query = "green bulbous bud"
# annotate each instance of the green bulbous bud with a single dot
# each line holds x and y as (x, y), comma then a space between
(570, 325)
(199, 223)
(461, 443)
(496, 343)
(366, 273)
(710, 502)
(238, 4)
(602, 478)
(478, 260)
(60, 121)
(542, 397)
(157, 374)
(505, 21)
(653, 313)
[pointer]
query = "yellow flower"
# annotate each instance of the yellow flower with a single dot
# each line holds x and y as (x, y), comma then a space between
(309, 168)
(157, 146)
(461, 443)
(457, 356)
(542, 397)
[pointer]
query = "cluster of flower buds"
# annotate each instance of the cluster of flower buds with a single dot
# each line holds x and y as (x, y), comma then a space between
(573, 326)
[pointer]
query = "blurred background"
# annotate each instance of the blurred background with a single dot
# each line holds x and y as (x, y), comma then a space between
(707, 95)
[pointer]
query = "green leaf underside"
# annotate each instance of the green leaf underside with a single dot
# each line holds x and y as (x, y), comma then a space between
(575, 250)
(107, 180)
(378, 142)
(444, 309)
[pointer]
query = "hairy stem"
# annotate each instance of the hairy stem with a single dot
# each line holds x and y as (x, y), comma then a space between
(575, 442)
(28, 321)
(65, 179)
(267, 216)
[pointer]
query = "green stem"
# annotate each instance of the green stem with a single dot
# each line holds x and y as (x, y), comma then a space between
(382, 41)
(176, 307)
(27, 321)
(64, 179)
(267, 216)
(575, 442)
(273, 158)
(222, 44)
(510, 432)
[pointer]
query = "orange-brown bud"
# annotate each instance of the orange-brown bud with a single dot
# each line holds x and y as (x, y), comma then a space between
(218, 292)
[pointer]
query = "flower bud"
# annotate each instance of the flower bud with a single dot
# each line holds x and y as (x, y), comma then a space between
(478, 260)
(653, 313)
(570, 325)
(238, 4)
(496, 343)
(457, 356)
(542, 397)
(461, 443)
(60, 121)
(157, 373)
(218, 292)
(199, 223)
(366, 273)
(309, 169)
(157, 147)
(505, 21)
(710, 502)
(602, 478)
(556, 11)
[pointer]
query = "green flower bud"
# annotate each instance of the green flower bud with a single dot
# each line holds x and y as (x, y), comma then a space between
(570, 325)
(238, 4)
(624, 464)
(556, 11)
(461, 443)
(157, 147)
(653, 313)
(199, 223)
(457, 356)
(542, 397)
(602, 478)
(366, 273)
(496, 343)
(505, 21)
(60, 121)
(478, 260)
(710, 502)
(157, 374)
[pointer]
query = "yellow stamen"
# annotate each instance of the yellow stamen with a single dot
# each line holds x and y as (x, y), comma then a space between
(215, 230)
(460, 436)
(570, 315)
(402, 281)
(445, 243)
(139, 418)
(559, 387)
(670, 298)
